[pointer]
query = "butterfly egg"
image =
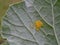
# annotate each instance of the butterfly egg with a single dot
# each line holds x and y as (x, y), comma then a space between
(38, 24)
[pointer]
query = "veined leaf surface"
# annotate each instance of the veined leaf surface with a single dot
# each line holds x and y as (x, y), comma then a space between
(17, 23)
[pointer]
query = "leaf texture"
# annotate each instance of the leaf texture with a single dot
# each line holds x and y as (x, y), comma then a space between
(17, 23)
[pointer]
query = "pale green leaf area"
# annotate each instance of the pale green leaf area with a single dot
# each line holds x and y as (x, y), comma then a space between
(17, 23)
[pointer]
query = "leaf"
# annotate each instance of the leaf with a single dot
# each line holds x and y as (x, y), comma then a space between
(16, 23)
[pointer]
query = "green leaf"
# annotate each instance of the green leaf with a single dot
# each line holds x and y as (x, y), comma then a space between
(17, 23)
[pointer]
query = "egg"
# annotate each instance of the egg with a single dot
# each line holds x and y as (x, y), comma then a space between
(38, 24)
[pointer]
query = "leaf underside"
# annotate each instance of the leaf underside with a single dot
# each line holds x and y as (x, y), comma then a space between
(17, 23)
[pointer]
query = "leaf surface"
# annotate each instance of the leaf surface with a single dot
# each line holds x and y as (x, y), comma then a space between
(17, 23)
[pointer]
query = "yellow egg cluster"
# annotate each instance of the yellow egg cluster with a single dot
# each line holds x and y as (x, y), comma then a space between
(38, 24)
